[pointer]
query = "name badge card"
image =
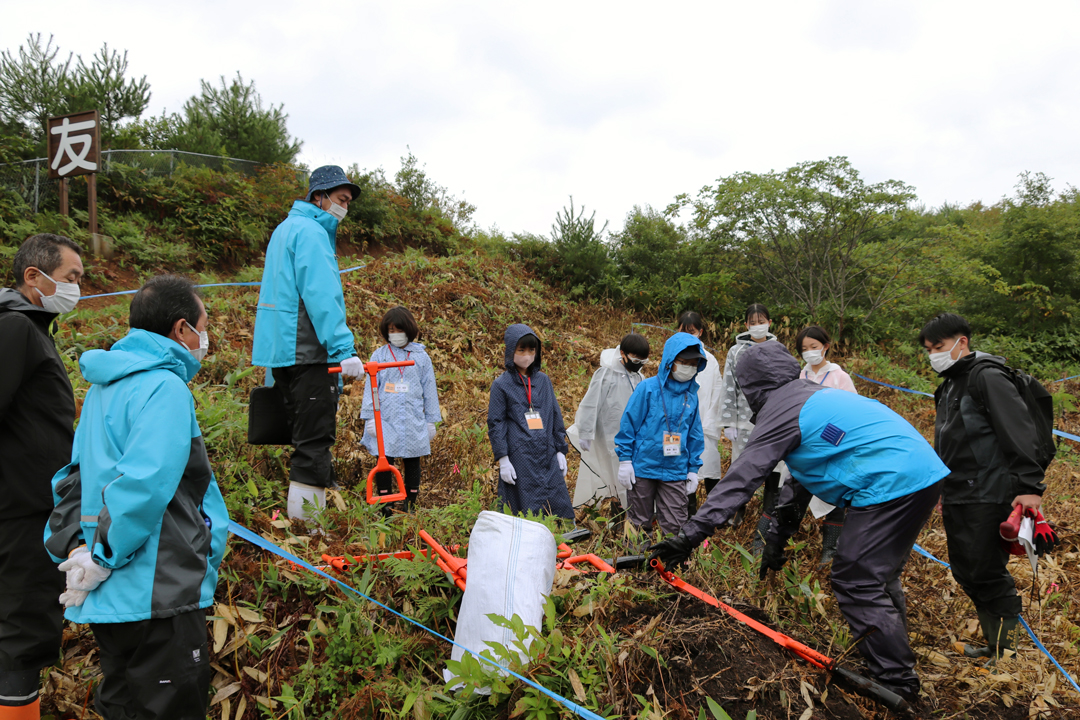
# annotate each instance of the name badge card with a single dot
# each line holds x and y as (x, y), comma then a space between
(396, 388)
(672, 444)
(532, 419)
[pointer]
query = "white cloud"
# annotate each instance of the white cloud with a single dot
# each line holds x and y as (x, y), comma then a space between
(516, 107)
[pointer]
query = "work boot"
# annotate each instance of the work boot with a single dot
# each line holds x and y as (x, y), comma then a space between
(1000, 634)
(830, 536)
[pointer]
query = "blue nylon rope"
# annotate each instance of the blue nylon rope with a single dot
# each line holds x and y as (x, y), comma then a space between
(209, 285)
(242, 532)
(927, 554)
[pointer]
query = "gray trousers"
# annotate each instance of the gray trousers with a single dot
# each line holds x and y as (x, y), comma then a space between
(668, 498)
(874, 546)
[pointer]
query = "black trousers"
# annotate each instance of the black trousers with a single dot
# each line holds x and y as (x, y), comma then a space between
(979, 563)
(874, 547)
(154, 668)
(387, 483)
(311, 399)
(31, 616)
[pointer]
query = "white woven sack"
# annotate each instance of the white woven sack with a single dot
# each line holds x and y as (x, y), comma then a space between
(511, 570)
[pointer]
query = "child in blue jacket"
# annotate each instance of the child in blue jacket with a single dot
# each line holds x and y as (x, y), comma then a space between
(660, 438)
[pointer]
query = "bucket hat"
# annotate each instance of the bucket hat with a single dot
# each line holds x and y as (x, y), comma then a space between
(329, 177)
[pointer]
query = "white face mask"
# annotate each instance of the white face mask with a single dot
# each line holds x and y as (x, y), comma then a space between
(814, 357)
(204, 343)
(942, 361)
(759, 331)
(337, 211)
(524, 360)
(64, 298)
(682, 373)
(399, 339)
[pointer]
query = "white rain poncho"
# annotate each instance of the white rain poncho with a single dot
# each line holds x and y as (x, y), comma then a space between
(597, 419)
(710, 393)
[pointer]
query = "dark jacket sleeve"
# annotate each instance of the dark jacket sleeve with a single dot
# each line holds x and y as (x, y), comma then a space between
(774, 436)
(1013, 427)
(19, 356)
(496, 420)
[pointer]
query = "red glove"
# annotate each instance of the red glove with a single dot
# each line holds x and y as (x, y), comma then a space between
(1045, 537)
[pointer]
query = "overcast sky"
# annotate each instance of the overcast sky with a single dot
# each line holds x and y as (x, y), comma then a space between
(518, 106)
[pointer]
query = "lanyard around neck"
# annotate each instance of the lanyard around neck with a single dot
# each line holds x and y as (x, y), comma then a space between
(407, 353)
(528, 391)
(681, 413)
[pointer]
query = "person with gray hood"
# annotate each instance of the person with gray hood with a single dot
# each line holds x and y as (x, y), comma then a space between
(851, 452)
(37, 424)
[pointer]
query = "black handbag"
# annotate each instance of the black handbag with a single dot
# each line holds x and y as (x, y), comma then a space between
(268, 421)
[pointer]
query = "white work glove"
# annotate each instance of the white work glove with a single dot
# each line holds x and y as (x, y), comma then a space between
(430, 431)
(506, 471)
(585, 444)
(562, 463)
(82, 572)
(691, 483)
(352, 367)
(73, 598)
(626, 474)
(731, 434)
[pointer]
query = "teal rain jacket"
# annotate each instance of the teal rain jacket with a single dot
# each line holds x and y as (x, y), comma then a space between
(659, 405)
(139, 491)
(301, 315)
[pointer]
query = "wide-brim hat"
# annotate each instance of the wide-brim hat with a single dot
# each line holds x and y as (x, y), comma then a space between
(329, 177)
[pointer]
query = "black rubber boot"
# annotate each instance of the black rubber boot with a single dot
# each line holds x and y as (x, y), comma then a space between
(1000, 634)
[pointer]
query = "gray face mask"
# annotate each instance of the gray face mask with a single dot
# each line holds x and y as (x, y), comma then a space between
(64, 298)
(204, 343)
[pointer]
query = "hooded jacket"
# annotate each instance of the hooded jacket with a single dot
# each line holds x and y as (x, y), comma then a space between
(659, 405)
(540, 485)
(598, 417)
(405, 415)
(846, 449)
(734, 412)
(301, 315)
(37, 407)
(985, 435)
(139, 491)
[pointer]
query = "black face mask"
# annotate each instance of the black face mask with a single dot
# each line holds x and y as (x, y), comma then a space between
(633, 366)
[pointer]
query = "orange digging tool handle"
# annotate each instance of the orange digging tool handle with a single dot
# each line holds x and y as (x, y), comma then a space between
(454, 566)
(372, 369)
(565, 551)
(334, 370)
(595, 560)
(809, 654)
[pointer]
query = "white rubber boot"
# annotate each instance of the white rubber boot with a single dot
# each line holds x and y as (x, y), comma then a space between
(305, 500)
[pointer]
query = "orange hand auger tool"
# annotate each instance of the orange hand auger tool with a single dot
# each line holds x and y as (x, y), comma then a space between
(372, 369)
(454, 566)
(863, 686)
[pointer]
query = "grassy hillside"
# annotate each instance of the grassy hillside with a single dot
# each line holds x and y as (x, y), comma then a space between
(284, 644)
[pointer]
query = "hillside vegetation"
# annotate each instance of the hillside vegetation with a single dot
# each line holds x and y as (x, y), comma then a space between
(287, 645)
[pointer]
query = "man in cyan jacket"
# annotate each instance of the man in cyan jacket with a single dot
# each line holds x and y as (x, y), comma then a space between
(37, 422)
(851, 452)
(987, 437)
(139, 524)
(300, 331)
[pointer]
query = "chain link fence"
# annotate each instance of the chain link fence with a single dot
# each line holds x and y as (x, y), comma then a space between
(30, 179)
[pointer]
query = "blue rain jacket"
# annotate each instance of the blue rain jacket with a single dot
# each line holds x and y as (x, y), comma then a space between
(540, 485)
(644, 422)
(405, 416)
(301, 315)
(139, 491)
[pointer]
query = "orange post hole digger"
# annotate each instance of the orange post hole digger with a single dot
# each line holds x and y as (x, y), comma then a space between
(372, 369)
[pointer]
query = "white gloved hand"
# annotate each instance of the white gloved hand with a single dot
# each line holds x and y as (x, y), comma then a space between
(73, 598)
(585, 444)
(430, 431)
(691, 483)
(352, 367)
(506, 471)
(626, 474)
(82, 572)
(562, 463)
(731, 434)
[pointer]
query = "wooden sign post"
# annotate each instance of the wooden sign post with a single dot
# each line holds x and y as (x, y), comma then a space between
(75, 149)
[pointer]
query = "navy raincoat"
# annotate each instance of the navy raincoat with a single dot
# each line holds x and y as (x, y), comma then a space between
(540, 485)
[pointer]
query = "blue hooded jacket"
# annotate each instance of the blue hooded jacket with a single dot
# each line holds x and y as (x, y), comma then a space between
(301, 315)
(659, 405)
(139, 491)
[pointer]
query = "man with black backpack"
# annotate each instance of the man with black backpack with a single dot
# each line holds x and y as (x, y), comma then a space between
(994, 431)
